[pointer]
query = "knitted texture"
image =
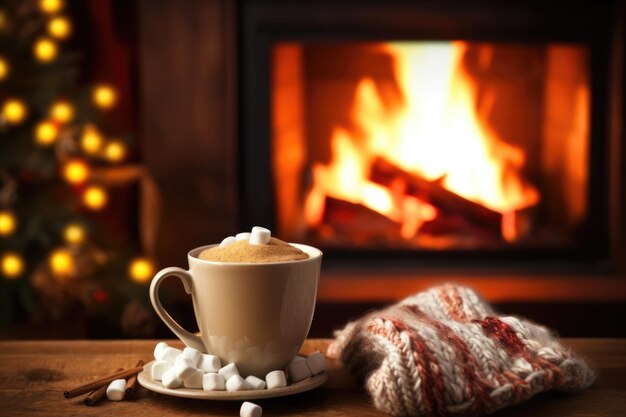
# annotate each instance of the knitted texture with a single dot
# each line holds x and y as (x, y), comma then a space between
(446, 352)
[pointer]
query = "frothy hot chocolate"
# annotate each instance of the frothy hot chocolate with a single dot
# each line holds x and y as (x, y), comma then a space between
(242, 251)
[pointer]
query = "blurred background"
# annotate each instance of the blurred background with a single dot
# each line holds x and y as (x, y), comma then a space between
(415, 143)
(73, 258)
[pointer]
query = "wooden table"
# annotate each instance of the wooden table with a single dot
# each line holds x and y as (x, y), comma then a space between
(33, 376)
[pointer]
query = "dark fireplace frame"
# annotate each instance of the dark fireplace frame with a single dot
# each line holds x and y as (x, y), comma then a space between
(597, 25)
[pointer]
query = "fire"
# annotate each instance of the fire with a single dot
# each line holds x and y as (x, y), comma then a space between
(434, 131)
(345, 178)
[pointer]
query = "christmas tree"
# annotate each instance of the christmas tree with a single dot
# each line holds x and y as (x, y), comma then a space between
(59, 159)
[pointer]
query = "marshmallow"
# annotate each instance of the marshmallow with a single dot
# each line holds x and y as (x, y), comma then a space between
(194, 380)
(170, 380)
(276, 379)
(299, 370)
(255, 383)
(237, 383)
(249, 409)
(213, 382)
(158, 369)
(242, 236)
(316, 363)
(228, 371)
(159, 349)
(170, 354)
(209, 363)
(228, 241)
(259, 236)
(183, 368)
(180, 358)
(192, 354)
(116, 390)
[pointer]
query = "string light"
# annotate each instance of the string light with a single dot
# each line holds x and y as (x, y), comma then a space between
(104, 96)
(46, 132)
(60, 27)
(61, 263)
(12, 265)
(14, 111)
(4, 68)
(45, 50)
(115, 151)
(141, 270)
(50, 6)
(74, 233)
(7, 223)
(76, 171)
(62, 111)
(91, 140)
(95, 197)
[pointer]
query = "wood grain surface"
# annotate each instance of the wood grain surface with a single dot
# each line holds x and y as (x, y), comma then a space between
(34, 374)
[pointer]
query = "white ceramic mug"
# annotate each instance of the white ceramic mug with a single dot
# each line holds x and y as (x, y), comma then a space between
(256, 315)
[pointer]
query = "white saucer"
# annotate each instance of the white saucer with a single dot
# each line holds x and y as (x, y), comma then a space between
(146, 381)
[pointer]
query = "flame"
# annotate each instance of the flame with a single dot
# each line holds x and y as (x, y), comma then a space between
(345, 179)
(436, 133)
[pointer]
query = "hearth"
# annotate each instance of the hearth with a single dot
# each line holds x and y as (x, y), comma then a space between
(442, 131)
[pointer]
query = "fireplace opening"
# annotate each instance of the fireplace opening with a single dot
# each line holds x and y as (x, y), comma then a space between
(431, 145)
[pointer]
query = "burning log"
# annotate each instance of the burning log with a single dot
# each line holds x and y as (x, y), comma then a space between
(357, 222)
(385, 173)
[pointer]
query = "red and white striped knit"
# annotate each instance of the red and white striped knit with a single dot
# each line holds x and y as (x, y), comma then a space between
(446, 352)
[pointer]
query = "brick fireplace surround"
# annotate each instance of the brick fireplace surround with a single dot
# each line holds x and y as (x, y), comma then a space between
(196, 127)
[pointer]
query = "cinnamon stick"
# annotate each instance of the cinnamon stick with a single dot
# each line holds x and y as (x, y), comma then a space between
(132, 381)
(96, 395)
(100, 382)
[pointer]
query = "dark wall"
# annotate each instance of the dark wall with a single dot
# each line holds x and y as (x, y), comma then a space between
(187, 102)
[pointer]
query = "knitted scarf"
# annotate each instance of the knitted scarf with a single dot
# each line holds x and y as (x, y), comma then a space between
(445, 352)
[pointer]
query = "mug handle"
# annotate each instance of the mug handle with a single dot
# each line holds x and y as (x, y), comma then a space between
(188, 338)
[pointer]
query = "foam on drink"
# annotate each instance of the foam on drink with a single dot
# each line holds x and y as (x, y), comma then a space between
(243, 252)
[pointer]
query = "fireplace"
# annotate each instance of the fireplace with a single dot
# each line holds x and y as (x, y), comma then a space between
(209, 122)
(431, 145)
(441, 131)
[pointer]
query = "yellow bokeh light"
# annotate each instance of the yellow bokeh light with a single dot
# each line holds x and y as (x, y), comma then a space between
(141, 270)
(50, 6)
(61, 263)
(104, 96)
(74, 233)
(60, 27)
(4, 68)
(45, 50)
(62, 111)
(115, 151)
(91, 140)
(12, 265)
(7, 223)
(14, 111)
(46, 132)
(75, 171)
(95, 197)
